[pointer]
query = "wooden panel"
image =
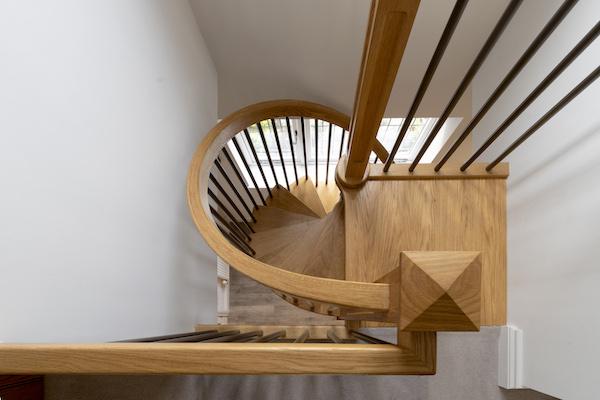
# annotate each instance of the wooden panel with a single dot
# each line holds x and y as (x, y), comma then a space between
(385, 218)
(219, 358)
(390, 23)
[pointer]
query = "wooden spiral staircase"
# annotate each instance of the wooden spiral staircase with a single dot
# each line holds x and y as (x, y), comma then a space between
(419, 247)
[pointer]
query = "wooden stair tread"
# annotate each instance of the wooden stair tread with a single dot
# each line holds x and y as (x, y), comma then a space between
(274, 217)
(285, 200)
(273, 243)
(330, 252)
(315, 247)
(306, 192)
(329, 195)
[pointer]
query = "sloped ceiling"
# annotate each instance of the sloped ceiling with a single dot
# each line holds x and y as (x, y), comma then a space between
(311, 50)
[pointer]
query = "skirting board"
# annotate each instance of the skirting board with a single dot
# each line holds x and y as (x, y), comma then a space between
(510, 358)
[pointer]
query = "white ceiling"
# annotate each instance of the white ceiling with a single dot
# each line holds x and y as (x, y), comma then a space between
(311, 50)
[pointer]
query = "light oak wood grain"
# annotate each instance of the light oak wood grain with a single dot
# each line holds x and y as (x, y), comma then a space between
(440, 291)
(384, 218)
(217, 358)
(274, 217)
(284, 199)
(340, 292)
(329, 195)
(390, 23)
(314, 247)
(426, 171)
(307, 193)
(380, 151)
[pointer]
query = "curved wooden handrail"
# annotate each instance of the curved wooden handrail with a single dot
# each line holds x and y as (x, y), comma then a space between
(375, 296)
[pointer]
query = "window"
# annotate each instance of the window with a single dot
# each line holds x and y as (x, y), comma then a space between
(414, 138)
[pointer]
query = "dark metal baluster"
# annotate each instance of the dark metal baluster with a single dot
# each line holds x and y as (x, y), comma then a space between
(304, 147)
(483, 53)
(239, 175)
(342, 143)
(222, 206)
(232, 225)
(367, 338)
(164, 337)
(289, 129)
(229, 200)
(234, 189)
(348, 142)
(268, 338)
(451, 25)
(243, 236)
(546, 117)
(556, 19)
(234, 338)
(316, 152)
(562, 65)
(280, 153)
(200, 337)
(239, 150)
(262, 173)
(264, 142)
(328, 152)
(242, 246)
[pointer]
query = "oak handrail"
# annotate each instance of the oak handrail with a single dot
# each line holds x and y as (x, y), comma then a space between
(389, 26)
(374, 296)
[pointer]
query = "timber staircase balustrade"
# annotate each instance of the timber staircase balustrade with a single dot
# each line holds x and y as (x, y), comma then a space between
(420, 247)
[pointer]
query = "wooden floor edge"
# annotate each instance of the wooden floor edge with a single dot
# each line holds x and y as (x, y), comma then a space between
(211, 358)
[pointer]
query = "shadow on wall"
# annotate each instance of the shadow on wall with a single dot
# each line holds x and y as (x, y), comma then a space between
(576, 144)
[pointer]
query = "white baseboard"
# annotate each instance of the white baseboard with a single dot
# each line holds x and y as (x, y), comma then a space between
(510, 358)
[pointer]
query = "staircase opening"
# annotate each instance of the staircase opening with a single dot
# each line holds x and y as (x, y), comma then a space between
(316, 149)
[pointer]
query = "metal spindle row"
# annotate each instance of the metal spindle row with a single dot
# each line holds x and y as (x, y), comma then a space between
(256, 336)
(551, 77)
(276, 134)
(451, 25)
(523, 60)
(556, 19)
(239, 204)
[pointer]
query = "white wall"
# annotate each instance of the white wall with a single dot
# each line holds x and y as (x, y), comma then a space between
(553, 203)
(311, 50)
(102, 105)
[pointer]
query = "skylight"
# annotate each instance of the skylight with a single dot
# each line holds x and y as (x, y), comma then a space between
(387, 134)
